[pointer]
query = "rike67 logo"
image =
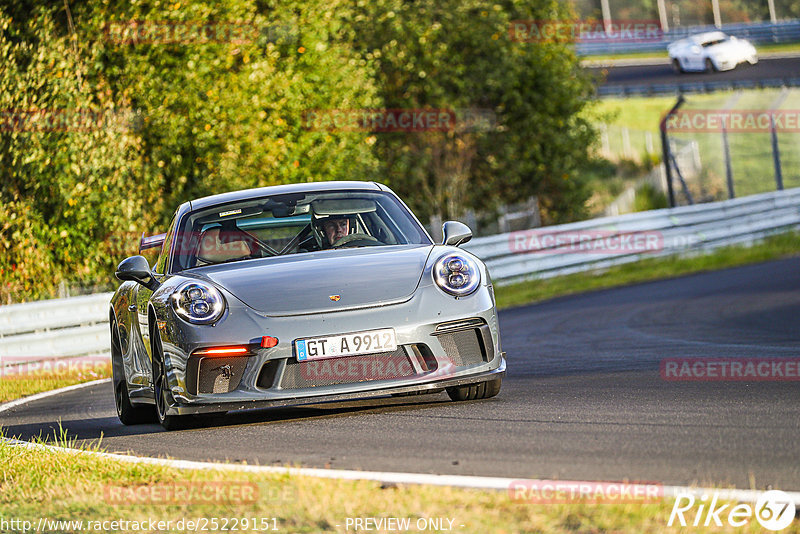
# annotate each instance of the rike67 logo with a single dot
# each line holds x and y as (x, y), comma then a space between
(774, 510)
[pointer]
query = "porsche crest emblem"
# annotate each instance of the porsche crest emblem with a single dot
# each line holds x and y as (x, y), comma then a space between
(335, 298)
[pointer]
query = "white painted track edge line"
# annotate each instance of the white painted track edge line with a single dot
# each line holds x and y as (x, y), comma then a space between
(463, 481)
(43, 395)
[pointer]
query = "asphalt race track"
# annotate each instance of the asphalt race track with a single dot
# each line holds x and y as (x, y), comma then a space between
(583, 399)
(646, 75)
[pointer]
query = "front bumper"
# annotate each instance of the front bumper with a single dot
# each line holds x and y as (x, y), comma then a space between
(375, 391)
(418, 324)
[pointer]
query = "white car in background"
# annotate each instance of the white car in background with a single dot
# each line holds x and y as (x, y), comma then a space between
(710, 52)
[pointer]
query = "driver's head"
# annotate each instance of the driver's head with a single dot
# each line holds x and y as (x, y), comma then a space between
(335, 228)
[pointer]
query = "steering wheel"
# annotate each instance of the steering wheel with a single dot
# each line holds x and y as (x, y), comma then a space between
(362, 239)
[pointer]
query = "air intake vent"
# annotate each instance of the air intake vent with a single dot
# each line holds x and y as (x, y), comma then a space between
(348, 370)
(214, 375)
(467, 347)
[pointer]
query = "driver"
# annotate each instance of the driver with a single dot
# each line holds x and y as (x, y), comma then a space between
(335, 227)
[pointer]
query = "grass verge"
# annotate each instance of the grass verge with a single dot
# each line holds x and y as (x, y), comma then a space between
(774, 247)
(15, 387)
(64, 487)
(752, 160)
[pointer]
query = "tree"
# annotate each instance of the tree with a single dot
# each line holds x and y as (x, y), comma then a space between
(460, 55)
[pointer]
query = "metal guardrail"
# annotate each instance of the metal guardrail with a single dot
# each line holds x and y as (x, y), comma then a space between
(78, 326)
(757, 33)
(694, 87)
(48, 329)
(687, 229)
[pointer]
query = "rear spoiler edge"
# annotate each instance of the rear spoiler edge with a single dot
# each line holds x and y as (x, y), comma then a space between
(152, 241)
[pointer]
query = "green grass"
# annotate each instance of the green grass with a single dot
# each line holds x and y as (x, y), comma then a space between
(774, 247)
(62, 486)
(751, 153)
(16, 387)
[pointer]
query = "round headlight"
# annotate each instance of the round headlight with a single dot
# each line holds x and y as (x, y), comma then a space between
(198, 303)
(457, 274)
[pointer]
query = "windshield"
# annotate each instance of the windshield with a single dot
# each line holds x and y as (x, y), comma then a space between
(715, 41)
(294, 223)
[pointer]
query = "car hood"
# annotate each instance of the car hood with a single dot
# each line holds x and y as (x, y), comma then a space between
(310, 283)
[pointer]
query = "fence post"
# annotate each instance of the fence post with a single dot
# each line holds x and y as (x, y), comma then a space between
(626, 143)
(662, 16)
(776, 154)
(715, 10)
(533, 209)
(684, 185)
(727, 153)
(606, 145)
(666, 155)
(606, 11)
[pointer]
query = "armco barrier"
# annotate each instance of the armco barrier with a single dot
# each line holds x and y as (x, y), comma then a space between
(686, 229)
(79, 326)
(756, 32)
(54, 328)
(645, 89)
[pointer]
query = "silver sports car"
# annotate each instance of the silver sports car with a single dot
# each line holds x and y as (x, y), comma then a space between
(299, 294)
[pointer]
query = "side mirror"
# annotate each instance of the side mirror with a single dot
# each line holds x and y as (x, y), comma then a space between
(455, 233)
(137, 269)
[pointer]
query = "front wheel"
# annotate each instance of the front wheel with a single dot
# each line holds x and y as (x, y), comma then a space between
(710, 66)
(161, 390)
(676, 66)
(482, 390)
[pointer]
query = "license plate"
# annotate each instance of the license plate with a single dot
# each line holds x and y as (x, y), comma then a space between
(368, 342)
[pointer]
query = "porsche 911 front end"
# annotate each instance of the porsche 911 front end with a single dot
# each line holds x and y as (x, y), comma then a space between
(263, 303)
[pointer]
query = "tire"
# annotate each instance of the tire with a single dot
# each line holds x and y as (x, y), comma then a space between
(162, 394)
(676, 66)
(128, 413)
(710, 65)
(481, 390)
